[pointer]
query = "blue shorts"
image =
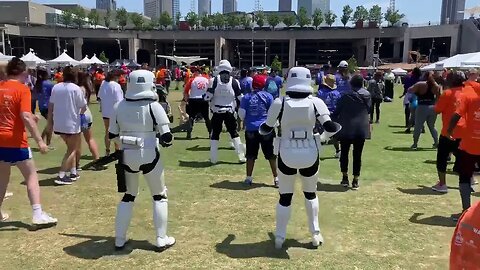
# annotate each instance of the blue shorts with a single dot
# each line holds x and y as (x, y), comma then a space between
(14, 155)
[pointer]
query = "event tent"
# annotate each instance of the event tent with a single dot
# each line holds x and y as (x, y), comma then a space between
(5, 58)
(86, 61)
(95, 60)
(458, 61)
(474, 60)
(399, 71)
(64, 59)
(32, 60)
(127, 62)
(188, 60)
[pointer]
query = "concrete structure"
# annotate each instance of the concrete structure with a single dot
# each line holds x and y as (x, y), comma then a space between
(312, 5)
(154, 8)
(204, 7)
(284, 5)
(107, 4)
(229, 6)
(24, 12)
(452, 11)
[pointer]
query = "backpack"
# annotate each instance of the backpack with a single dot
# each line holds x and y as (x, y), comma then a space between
(272, 87)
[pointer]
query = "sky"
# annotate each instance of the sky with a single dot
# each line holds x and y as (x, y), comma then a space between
(416, 11)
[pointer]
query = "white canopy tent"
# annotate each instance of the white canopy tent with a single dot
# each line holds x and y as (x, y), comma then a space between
(474, 60)
(95, 60)
(399, 72)
(32, 60)
(457, 61)
(188, 60)
(86, 61)
(5, 58)
(64, 60)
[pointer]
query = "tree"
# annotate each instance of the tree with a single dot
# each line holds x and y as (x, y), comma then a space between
(67, 18)
(102, 57)
(206, 21)
(330, 18)
(165, 20)
(177, 19)
(246, 21)
(260, 18)
(273, 20)
(192, 19)
(317, 18)
(79, 16)
(347, 14)
(352, 65)
(375, 14)
(122, 17)
(233, 21)
(289, 20)
(94, 18)
(276, 64)
(107, 19)
(393, 16)
(303, 18)
(153, 24)
(137, 20)
(219, 20)
(360, 15)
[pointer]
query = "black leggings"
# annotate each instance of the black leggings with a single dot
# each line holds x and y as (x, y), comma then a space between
(375, 106)
(445, 147)
(198, 106)
(467, 166)
(357, 155)
(217, 123)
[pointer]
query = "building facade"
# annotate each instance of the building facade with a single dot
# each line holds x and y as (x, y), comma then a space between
(229, 6)
(154, 8)
(452, 11)
(204, 7)
(107, 4)
(312, 5)
(284, 5)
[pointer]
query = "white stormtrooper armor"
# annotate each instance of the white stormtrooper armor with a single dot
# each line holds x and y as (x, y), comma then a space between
(136, 123)
(223, 94)
(298, 148)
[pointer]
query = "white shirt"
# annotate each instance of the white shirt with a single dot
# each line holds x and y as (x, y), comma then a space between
(110, 94)
(199, 87)
(68, 100)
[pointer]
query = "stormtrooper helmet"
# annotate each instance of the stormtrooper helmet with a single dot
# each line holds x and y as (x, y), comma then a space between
(141, 85)
(299, 80)
(224, 65)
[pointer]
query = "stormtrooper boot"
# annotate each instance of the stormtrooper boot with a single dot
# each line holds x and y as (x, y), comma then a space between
(122, 222)
(240, 149)
(160, 219)
(312, 213)
(213, 151)
(282, 218)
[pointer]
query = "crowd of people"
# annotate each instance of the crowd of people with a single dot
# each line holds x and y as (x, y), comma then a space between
(296, 123)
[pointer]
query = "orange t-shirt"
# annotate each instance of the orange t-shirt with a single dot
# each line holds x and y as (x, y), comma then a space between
(446, 105)
(465, 247)
(474, 85)
(469, 109)
(122, 80)
(15, 98)
(187, 87)
(99, 78)
(59, 77)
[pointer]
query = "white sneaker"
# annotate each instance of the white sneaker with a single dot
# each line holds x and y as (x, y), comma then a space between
(317, 239)
(7, 195)
(275, 182)
(165, 242)
(44, 219)
(337, 154)
(279, 242)
(4, 216)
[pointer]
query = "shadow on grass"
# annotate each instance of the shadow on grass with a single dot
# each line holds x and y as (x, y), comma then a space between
(238, 185)
(327, 158)
(17, 225)
(331, 188)
(179, 128)
(407, 149)
(433, 220)
(53, 170)
(402, 132)
(97, 247)
(192, 139)
(198, 148)
(396, 126)
(49, 182)
(203, 164)
(264, 249)
(86, 157)
(421, 190)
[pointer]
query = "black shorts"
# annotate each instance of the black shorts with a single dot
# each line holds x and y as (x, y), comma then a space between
(44, 113)
(65, 134)
(254, 140)
(445, 147)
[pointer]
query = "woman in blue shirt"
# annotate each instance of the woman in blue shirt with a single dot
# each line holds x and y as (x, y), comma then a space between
(253, 111)
(43, 89)
(330, 95)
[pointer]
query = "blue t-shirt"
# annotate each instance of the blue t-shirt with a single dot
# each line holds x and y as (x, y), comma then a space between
(330, 97)
(278, 82)
(343, 84)
(44, 95)
(246, 85)
(320, 76)
(256, 105)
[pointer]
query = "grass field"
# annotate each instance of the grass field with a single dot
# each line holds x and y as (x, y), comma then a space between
(393, 222)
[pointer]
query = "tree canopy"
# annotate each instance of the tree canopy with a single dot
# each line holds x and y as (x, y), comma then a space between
(246, 21)
(330, 18)
(260, 18)
(137, 20)
(79, 16)
(317, 18)
(165, 20)
(273, 20)
(192, 19)
(219, 20)
(393, 16)
(94, 18)
(303, 18)
(361, 14)
(347, 14)
(122, 17)
(67, 17)
(206, 21)
(375, 14)
(233, 21)
(289, 20)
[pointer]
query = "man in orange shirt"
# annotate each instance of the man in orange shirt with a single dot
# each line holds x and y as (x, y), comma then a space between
(98, 79)
(15, 116)
(465, 247)
(473, 79)
(59, 75)
(446, 105)
(468, 108)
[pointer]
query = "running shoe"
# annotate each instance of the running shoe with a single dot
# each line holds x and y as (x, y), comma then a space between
(7, 195)
(355, 185)
(275, 182)
(440, 188)
(165, 242)
(64, 181)
(317, 239)
(345, 183)
(337, 154)
(408, 131)
(44, 219)
(74, 177)
(248, 181)
(4, 216)
(414, 147)
(435, 146)
(456, 217)
(473, 182)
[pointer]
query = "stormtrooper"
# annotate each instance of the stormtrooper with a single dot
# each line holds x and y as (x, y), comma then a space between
(297, 148)
(223, 95)
(140, 125)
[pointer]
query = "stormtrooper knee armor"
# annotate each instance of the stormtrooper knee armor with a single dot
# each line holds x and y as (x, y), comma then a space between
(298, 148)
(140, 125)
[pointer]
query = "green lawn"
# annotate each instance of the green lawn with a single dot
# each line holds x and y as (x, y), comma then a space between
(393, 222)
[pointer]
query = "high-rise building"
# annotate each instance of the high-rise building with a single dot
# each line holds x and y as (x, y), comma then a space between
(107, 4)
(312, 5)
(284, 5)
(204, 7)
(229, 6)
(154, 8)
(452, 11)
